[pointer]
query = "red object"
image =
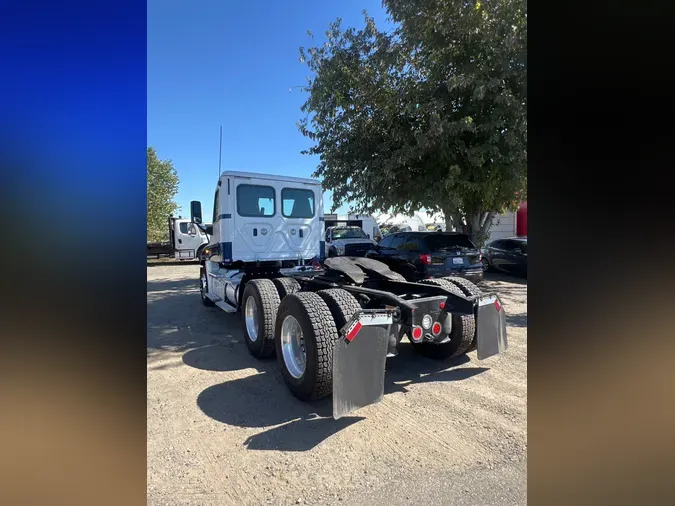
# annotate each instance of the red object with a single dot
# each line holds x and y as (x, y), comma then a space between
(521, 220)
(436, 329)
(498, 305)
(417, 333)
(352, 333)
(426, 258)
(442, 304)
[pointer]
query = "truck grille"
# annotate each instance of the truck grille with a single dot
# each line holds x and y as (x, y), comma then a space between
(356, 250)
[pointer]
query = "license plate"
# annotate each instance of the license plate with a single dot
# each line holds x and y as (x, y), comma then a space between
(458, 261)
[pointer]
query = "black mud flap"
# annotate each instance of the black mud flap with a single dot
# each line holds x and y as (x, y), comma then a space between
(359, 360)
(490, 327)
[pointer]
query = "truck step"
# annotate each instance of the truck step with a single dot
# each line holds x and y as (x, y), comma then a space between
(226, 307)
(214, 298)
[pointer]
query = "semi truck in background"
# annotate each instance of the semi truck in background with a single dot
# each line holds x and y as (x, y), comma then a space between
(186, 241)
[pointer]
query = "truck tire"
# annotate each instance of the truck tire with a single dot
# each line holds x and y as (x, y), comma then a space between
(204, 287)
(467, 288)
(342, 305)
(260, 303)
(286, 286)
(305, 330)
(461, 337)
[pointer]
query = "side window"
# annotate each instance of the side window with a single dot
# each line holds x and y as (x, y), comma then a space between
(215, 207)
(297, 203)
(183, 227)
(398, 241)
(254, 200)
(508, 245)
(386, 242)
(496, 245)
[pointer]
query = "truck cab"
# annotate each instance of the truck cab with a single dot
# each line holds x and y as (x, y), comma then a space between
(261, 218)
(186, 238)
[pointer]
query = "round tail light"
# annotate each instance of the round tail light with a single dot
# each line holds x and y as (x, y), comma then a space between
(417, 334)
(426, 322)
(436, 329)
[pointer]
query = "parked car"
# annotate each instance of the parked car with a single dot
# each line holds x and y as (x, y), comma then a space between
(347, 241)
(424, 255)
(506, 255)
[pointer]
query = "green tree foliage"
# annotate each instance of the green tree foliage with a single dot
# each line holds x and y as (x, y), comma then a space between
(162, 188)
(431, 115)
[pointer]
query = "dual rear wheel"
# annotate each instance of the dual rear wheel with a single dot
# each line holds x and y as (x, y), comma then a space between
(299, 327)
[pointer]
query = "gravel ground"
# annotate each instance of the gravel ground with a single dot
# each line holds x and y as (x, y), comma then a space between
(223, 428)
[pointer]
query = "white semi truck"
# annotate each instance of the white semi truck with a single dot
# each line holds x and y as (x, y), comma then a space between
(331, 322)
(186, 240)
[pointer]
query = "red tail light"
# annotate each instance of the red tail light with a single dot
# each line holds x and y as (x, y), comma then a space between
(426, 258)
(436, 329)
(417, 334)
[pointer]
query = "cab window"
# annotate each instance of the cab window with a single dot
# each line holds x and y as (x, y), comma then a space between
(297, 203)
(255, 200)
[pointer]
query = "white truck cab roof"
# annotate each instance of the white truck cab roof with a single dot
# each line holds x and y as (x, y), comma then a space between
(270, 177)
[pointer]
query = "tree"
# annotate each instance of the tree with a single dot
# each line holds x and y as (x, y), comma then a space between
(162, 188)
(431, 115)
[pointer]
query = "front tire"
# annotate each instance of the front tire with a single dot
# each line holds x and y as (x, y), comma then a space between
(461, 336)
(204, 288)
(304, 339)
(260, 303)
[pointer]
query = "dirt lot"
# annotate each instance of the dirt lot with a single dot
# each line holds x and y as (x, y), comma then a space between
(223, 428)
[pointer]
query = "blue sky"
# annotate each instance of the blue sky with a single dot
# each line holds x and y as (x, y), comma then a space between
(213, 63)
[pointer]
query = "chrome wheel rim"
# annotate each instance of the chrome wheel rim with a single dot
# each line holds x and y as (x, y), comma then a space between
(251, 316)
(293, 347)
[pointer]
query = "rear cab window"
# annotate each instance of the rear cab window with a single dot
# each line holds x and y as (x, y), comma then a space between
(297, 203)
(255, 200)
(442, 242)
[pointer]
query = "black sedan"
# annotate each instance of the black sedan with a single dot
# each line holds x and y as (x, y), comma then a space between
(506, 255)
(424, 255)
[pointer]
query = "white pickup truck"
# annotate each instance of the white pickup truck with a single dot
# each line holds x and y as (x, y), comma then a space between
(348, 241)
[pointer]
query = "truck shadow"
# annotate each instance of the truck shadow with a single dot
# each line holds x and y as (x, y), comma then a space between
(262, 400)
(177, 321)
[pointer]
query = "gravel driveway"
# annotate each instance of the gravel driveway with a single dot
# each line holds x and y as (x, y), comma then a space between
(223, 428)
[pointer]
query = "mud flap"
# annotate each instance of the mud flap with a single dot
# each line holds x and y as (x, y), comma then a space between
(490, 327)
(359, 360)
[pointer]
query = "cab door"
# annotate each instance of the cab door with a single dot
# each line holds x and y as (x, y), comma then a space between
(187, 239)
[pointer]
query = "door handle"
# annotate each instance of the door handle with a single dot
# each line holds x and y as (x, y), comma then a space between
(300, 233)
(255, 232)
(180, 241)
